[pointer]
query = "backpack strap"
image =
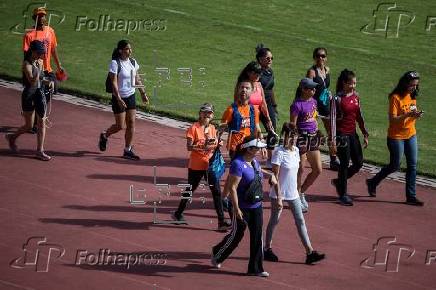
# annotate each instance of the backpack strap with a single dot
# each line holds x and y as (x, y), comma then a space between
(252, 121)
(119, 66)
(235, 124)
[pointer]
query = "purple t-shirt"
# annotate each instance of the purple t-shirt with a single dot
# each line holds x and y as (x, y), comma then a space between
(306, 112)
(240, 168)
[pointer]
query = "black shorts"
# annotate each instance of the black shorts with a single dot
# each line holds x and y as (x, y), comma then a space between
(130, 103)
(34, 101)
(308, 142)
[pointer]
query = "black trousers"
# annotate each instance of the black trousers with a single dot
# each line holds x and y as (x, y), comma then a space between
(194, 178)
(350, 149)
(253, 218)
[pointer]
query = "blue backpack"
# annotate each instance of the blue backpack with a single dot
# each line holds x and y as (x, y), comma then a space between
(235, 124)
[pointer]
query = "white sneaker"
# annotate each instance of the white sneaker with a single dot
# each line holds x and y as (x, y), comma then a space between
(304, 204)
(263, 274)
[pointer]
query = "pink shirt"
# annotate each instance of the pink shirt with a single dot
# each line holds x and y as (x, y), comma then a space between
(256, 98)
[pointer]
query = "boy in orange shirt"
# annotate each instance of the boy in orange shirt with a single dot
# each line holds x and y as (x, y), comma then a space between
(201, 142)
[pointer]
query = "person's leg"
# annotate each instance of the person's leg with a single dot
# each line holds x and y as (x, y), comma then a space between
(28, 122)
(194, 178)
(120, 124)
(295, 206)
(40, 134)
(314, 158)
(334, 164)
(396, 149)
(215, 189)
(343, 152)
(223, 249)
(356, 155)
(273, 221)
(411, 152)
(130, 127)
(303, 158)
(255, 223)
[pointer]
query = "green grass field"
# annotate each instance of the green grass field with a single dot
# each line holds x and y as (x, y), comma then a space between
(221, 36)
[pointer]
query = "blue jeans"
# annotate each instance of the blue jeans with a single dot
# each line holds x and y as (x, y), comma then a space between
(396, 149)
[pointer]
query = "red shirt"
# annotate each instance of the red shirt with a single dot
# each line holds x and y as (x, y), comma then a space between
(348, 113)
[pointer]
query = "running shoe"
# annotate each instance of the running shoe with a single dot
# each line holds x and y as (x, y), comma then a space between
(213, 261)
(346, 200)
(130, 155)
(334, 165)
(41, 155)
(314, 257)
(102, 143)
(263, 274)
(224, 226)
(179, 218)
(414, 201)
(268, 255)
(11, 142)
(372, 189)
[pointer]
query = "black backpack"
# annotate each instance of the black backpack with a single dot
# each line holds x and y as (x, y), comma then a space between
(108, 79)
(254, 192)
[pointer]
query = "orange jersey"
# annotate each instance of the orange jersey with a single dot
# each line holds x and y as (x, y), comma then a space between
(199, 159)
(236, 139)
(399, 106)
(46, 36)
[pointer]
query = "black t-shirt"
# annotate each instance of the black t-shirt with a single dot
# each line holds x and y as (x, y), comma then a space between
(323, 110)
(267, 81)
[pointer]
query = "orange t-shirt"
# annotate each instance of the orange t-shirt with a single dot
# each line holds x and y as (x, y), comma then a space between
(46, 36)
(199, 159)
(236, 139)
(399, 106)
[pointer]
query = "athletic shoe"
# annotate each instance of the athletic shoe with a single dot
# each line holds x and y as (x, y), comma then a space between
(34, 130)
(42, 156)
(268, 255)
(314, 257)
(334, 182)
(346, 200)
(102, 143)
(130, 155)
(179, 218)
(304, 204)
(11, 142)
(213, 261)
(414, 201)
(224, 226)
(334, 165)
(263, 274)
(372, 189)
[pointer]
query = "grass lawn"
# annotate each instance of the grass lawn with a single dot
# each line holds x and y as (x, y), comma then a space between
(217, 38)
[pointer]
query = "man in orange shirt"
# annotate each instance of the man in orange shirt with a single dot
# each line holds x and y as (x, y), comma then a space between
(201, 142)
(241, 119)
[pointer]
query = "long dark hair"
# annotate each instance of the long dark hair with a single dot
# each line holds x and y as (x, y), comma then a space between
(345, 76)
(121, 45)
(244, 76)
(261, 51)
(403, 84)
(288, 129)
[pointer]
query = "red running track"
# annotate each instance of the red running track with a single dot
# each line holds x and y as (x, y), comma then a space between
(80, 201)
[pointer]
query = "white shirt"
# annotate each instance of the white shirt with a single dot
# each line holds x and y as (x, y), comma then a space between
(289, 162)
(125, 77)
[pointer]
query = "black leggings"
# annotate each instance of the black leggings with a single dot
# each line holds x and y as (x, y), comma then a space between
(194, 178)
(350, 149)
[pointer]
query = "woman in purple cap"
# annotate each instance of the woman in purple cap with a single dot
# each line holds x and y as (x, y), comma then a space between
(33, 98)
(303, 117)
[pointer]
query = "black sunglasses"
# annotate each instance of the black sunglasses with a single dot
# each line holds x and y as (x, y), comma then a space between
(321, 55)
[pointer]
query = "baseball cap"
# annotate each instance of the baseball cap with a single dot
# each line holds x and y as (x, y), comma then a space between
(37, 46)
(206, 107)
(308, 83)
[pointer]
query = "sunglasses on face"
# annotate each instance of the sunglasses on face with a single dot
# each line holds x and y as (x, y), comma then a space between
(321, 56)
(269, 58)
(414, 75)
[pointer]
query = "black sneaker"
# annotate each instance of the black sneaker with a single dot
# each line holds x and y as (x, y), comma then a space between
(130, 155)
(11, 142)
(346, 200)
(334, 182)
(102, 143)
(179, 218)
(372, 189)
(414, 201)
(334, 165)
(268, 255)
(314, 257)
(224, 226)
(34, 130)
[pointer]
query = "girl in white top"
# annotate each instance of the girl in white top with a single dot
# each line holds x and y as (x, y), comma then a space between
(123, 73)
(285, 163)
